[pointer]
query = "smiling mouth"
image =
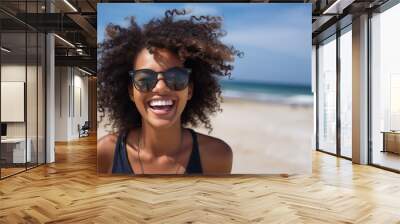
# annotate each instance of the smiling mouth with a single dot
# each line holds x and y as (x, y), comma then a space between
(161, 107)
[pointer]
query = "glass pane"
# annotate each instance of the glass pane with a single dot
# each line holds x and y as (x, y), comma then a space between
(346, 93)
(327, 95)
(31, 98)
(386, 89)
(13, 86)
(23, 84)
(41, 98)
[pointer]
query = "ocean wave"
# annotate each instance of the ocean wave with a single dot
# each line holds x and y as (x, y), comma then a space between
(290, 99)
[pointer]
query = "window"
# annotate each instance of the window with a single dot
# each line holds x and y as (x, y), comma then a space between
(327, 95)
(385, 89)
(346, 92)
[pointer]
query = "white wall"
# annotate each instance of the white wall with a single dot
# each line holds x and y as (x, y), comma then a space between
(61, 103)
(13, 72)
(16, 72)
(12, 101)
(70, 83)
(33, 126)
(80, 96)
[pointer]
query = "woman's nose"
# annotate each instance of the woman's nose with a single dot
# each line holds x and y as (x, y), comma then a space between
(161, 86)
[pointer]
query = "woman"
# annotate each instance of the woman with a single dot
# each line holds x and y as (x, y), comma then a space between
(152, 83)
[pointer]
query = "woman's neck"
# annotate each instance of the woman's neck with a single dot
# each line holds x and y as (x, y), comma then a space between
(157, 142)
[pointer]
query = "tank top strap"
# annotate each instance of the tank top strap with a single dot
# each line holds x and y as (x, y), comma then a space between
(194, 165)
(121, 163)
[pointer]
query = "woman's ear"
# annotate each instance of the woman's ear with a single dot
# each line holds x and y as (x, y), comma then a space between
(190, 91)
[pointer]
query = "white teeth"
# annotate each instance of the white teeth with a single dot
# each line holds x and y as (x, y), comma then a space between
(161, 103)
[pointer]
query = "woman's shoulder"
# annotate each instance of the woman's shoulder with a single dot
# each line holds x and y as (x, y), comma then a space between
(107, 142)
(105, 152)
(216, 155)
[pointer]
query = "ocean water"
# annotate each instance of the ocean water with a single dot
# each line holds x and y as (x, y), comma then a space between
(268, 92)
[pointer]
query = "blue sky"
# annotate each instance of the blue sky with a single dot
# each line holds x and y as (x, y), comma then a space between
(275, 38)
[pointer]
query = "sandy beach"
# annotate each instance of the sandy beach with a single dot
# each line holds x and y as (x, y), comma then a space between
(265, 137)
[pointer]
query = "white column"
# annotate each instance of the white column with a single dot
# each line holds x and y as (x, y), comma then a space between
(50, 93)
(62, 107)
(360, 90)
(314, 91)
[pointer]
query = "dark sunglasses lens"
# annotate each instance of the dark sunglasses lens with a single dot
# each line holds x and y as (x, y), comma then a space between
(177, 78)
(145, 80)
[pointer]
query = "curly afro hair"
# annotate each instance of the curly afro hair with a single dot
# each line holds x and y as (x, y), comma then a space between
(194, 39)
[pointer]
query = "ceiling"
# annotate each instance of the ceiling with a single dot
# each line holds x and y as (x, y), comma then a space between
(76, 20)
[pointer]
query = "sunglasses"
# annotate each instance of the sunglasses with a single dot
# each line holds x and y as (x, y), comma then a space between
(175, 78)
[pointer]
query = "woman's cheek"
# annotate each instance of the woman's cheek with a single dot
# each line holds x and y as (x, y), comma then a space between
(141, 107)
(183, 101)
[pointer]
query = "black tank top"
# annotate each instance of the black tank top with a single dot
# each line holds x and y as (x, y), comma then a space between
(121, 163)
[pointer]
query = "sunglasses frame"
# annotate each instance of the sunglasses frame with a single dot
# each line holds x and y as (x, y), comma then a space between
(132, 74)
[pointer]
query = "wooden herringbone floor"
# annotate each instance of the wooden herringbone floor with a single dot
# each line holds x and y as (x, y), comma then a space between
(69, 191)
